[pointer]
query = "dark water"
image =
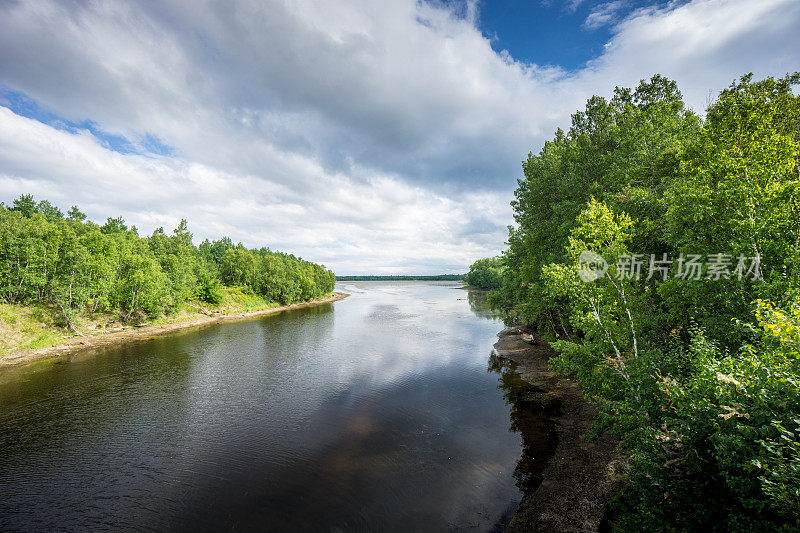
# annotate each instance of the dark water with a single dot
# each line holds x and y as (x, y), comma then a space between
(379, 412)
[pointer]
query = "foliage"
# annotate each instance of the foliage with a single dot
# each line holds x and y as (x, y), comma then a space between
(78, 268)
(700, 377)
(209, 289)
(485, 274)
(622, 152)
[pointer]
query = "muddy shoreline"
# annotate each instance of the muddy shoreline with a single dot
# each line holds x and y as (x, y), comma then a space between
(82, 344)
(580, 476)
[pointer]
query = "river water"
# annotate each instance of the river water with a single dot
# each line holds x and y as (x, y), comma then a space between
(379, 412)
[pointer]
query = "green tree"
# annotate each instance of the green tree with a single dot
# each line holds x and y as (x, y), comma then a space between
(75, 214)
(114, 225)
(485, 274)
(26, 205)
(698, 376)
(78, 268)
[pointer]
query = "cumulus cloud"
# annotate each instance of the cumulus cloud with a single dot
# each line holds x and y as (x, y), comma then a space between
(406, 87)
(372, 136)
(399, 227)
(704, 45)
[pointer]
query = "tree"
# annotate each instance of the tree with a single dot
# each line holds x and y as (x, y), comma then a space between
(740, 195)
(485, 274)
(78, 268)
(622, 152)
(114, 225)
(697, 374)
(26, 205)
(75, 214)
(49, 211)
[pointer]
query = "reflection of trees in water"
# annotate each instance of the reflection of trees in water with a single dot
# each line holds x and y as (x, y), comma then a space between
(479, 304)
(529, 419)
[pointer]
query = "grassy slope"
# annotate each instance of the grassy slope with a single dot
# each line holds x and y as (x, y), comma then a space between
(31, 327)
(23, 327)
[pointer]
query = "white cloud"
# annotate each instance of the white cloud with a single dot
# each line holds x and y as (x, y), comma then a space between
(704, 45)
(367, 135)
(604, 14)
(399, 227)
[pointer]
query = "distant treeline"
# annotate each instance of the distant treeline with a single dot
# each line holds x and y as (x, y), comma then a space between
(82, 268)
(438, 277)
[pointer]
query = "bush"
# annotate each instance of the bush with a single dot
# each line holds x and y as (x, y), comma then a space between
(209, 289)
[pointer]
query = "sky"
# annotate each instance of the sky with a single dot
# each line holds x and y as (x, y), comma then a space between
(371, 136)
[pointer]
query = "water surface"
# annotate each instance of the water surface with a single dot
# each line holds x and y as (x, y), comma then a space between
(376, 412)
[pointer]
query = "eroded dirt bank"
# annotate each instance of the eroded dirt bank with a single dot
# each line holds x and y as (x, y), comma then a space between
(80, 344)
(580, 476)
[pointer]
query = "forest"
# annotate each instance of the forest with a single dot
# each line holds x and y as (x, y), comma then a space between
(658, 250)
(77, 268)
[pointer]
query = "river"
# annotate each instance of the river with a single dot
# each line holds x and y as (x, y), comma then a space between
(379, 412)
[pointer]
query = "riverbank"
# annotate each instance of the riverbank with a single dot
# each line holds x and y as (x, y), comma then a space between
(581, 476)
(126, 334)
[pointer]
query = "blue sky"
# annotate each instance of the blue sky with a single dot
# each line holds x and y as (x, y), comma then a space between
(375, 137)
(567, 34)
(546, 33)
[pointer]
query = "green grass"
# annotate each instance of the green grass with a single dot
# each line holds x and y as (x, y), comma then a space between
(234, 300)
(32, 327)
(27, 328)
